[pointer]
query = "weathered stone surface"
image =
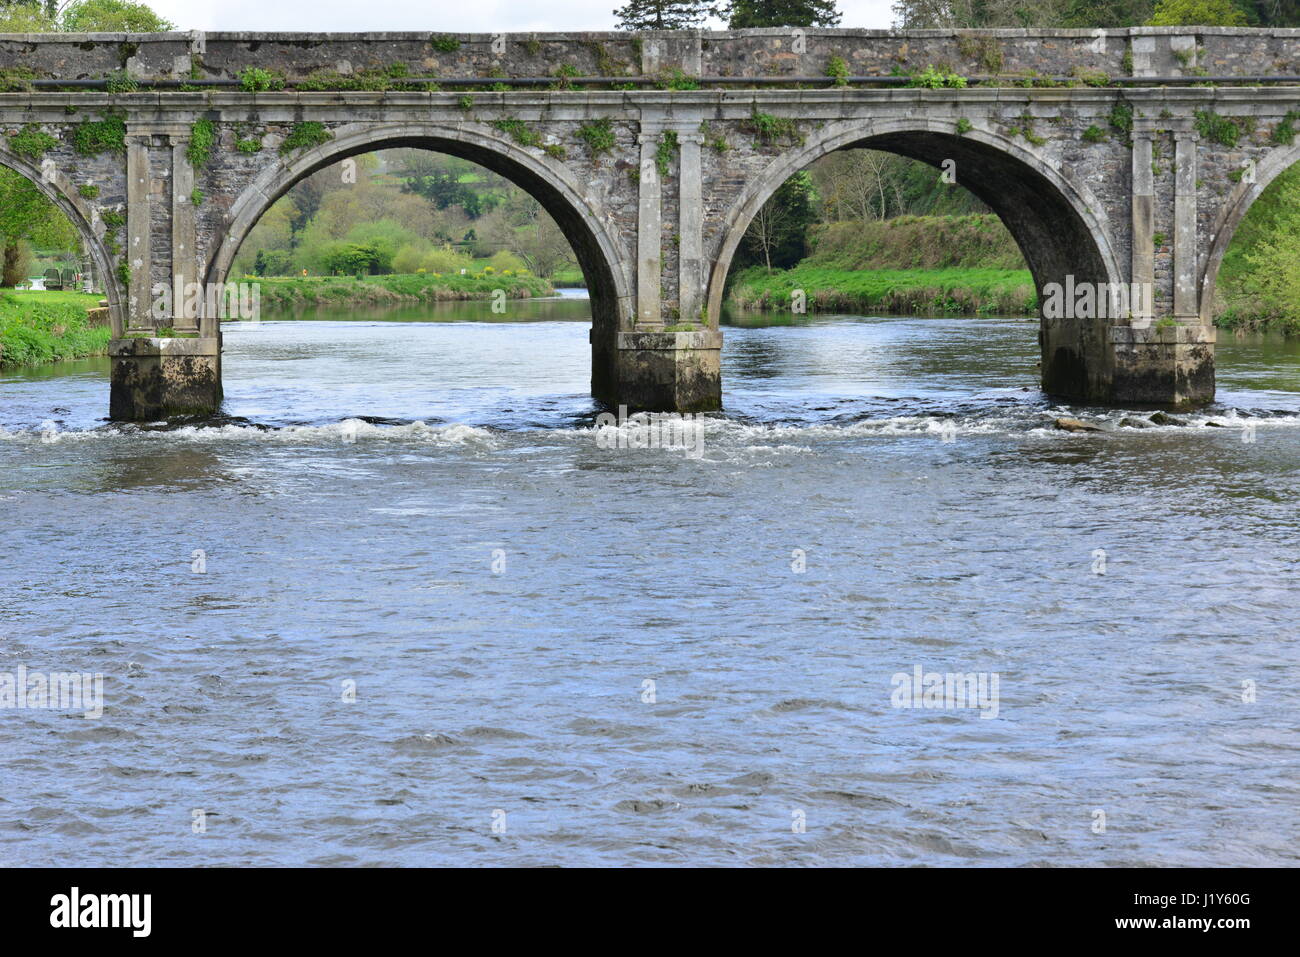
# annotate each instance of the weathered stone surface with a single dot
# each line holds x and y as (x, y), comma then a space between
(158, 378)
(656, 213)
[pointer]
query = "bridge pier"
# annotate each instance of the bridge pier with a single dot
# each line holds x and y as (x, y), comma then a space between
(1163, 365)
(659, 371)
(154, 378)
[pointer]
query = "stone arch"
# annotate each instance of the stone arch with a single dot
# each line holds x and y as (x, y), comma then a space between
(85, 218)
(1231, 213)
(1057, 222)
(603, 261)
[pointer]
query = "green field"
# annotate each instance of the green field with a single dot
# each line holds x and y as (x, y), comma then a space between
(318, 290)
(1003, 292)
(38, 327)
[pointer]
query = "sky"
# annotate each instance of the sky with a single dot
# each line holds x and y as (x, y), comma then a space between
(438, 16)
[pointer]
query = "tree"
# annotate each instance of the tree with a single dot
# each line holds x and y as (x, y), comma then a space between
(972, 14)
(27, 16)
(112, 16)
(777, 236)
(1197, 13)
(28, 216)
(543, 246)
(743, 14)
(663, 14)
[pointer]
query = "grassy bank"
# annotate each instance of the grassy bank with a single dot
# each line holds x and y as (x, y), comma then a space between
(933, 292)
(37, 327)
(916, 242)
(911, 265)
(415, 287)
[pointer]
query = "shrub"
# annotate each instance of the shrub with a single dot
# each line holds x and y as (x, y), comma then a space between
(254, 79)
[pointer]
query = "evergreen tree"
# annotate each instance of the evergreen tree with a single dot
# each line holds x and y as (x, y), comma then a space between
(743, 14)
(663, 14)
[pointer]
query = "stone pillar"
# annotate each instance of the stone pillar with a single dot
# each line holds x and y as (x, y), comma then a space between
(138, 231)
(649, 256)
(1186, 308)
(1165, 361)
(653, 370)
(690, 229)
(184, 235)
(1144, 221)
(155, 377)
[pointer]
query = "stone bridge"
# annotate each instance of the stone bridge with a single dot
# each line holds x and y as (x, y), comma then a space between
(1114, 157)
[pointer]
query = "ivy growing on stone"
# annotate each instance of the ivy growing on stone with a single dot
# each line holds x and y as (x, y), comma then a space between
(1121, 120)
(933, 79)
(444, 43)
(31, 141)
(665, 151)
(769, 129)
(518, 131)
(304, 136)
(203, 138)
(119, 81)
(1284, 133)
(563, 75)
(1224, 130)
(16, 79)
(838, 70)
(93, 137)
(598, 135)
(254, 79)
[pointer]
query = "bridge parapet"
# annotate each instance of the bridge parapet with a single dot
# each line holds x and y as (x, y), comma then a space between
(327, 60)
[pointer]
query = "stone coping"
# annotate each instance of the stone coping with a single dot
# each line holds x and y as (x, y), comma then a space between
(1163, 335)
(141, 347)
(669, 341)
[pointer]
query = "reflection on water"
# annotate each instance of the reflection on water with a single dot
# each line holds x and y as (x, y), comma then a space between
(500, 588)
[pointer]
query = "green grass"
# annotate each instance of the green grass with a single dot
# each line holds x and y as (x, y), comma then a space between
(312, 290)
(569, 278)
(977, 240)
(952, 291)
(39, 327)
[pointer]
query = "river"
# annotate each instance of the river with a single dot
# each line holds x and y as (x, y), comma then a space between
(458, 630)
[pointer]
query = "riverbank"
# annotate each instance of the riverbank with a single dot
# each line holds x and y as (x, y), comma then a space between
(921, 292)
(411, 287)
(39, 327)
(909, 265)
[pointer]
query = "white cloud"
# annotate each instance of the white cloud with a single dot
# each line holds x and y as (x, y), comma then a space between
(481, 16)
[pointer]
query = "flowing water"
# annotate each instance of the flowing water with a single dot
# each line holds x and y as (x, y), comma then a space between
(567, 653)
